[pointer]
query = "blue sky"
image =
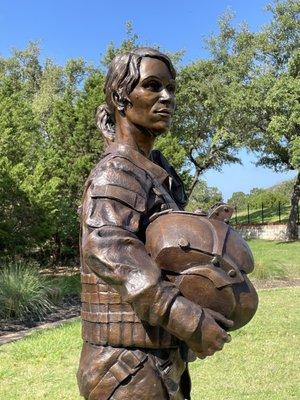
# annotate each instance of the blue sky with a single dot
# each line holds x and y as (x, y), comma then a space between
(68, 29)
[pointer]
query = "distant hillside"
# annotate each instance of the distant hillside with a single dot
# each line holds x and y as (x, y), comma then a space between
(284, 187)
(281, 192)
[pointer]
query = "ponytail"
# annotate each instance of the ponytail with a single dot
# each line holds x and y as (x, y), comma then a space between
(105, 123)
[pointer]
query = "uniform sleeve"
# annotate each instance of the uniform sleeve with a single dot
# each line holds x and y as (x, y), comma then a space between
(113, 206)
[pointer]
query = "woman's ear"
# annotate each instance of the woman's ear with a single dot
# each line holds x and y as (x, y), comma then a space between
(119, 102)
(105, 123)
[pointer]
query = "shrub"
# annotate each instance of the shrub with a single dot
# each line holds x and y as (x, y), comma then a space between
(24, 293)
(68, 285)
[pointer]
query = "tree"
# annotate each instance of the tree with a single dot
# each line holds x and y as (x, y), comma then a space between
(198, 124)
(17, 219)
(206, 123)
(130, 42)
(239, 200)
(20, 147)
(264, 108)
(278, 139)
(72, 147)
(49, 143)
(204, 196)
(276, 127)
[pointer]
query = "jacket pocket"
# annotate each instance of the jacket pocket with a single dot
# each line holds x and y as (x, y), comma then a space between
(127, 364)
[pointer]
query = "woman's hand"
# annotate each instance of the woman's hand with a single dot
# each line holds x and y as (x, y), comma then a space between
(210, 337)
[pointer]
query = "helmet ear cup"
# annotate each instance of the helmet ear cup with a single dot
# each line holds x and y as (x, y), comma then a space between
(237, 302)
(202, 291)
(246, 299)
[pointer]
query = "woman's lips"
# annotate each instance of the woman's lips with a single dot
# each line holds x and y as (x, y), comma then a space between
(164, 111)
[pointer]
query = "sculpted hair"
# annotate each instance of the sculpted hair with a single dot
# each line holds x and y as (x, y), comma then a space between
(122, 77)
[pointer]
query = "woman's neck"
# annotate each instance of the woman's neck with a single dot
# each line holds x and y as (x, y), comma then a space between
(137, 137)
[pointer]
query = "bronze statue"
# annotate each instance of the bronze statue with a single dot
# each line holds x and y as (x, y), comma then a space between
(141, 325)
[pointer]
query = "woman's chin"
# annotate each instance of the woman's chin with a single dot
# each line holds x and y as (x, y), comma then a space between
(158, 133)
(160, 128)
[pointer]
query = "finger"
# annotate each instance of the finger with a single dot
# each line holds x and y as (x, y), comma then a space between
(226, 323)
(225, 337)
(219, 345)
(229, 338)
(201, 356)
(220, 318)
(206, 353)
(211, 351)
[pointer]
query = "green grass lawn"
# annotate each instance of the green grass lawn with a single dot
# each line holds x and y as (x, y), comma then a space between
(261, 362)
(275, 259)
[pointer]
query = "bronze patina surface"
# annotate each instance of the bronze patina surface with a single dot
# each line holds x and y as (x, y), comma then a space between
(207, 260)
(141, 325)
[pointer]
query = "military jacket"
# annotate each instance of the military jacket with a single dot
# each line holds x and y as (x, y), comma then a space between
(125, 300)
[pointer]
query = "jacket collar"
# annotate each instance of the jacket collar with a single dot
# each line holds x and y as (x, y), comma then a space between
(138, 159)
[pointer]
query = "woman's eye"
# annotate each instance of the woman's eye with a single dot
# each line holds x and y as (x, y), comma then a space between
(155, 86)
(171, 88)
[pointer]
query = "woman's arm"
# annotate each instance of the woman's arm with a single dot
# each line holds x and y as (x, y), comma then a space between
(112, 249)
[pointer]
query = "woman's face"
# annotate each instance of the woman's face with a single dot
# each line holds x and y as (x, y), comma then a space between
(152, 101)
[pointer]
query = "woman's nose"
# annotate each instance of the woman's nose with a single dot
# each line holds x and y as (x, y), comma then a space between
(166, 95)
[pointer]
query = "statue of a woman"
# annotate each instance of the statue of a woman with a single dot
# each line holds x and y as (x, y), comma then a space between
(137, 327)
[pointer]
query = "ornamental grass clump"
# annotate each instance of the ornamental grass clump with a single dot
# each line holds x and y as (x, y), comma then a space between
(263, 271)
(24, 293)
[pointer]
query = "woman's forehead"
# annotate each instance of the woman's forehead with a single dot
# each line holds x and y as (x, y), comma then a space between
(154, 67)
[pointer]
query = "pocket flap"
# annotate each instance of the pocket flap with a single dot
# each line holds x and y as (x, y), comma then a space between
(125, 196)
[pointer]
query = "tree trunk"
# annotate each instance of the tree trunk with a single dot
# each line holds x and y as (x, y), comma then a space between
(194, 183)
(292, 228)
(57, 250)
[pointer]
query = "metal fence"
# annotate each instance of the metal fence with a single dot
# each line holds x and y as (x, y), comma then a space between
(277, 213)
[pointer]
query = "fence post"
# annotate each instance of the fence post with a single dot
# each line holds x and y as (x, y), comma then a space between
(235, 209)
(248, 213)
(262, 213)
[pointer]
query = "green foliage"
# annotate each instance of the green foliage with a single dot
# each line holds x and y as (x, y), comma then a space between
(239, 199)
(265, 197)
(264, 106)
(128, 44)
(200, 119)
(171, 148)
(266, 98)
(67, 285)
(245, 95)
(262, 71)
(270, 197)
(24, 294)
(203, 197)
(49, 143)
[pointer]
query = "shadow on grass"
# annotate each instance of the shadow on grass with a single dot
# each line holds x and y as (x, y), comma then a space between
(286, 243)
